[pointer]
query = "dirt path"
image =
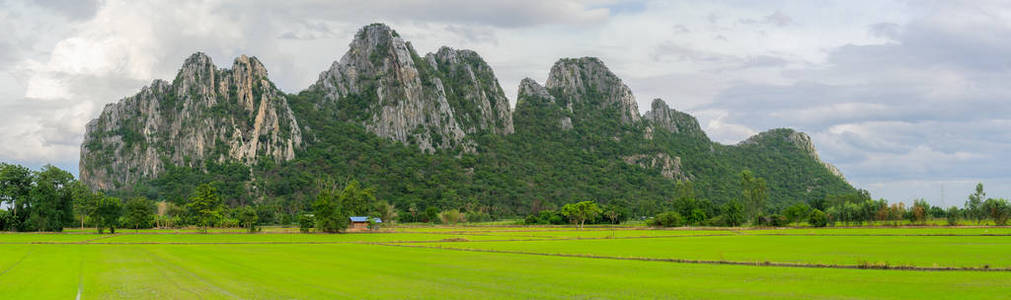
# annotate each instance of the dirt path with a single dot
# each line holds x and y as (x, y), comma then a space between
(718, 262)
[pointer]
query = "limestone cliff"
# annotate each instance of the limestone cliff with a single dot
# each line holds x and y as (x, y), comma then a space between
(536, 107)
(663, 117)
(433, 102)
(589, 86)
(205, 114)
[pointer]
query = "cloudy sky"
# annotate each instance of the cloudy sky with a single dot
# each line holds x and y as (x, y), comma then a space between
(906, 97)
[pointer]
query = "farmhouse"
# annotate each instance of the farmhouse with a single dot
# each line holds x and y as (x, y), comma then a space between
(362, 223)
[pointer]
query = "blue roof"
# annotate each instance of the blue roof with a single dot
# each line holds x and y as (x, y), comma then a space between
(365, 219)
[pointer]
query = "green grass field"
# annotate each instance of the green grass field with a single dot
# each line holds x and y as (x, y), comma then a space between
(408, 263)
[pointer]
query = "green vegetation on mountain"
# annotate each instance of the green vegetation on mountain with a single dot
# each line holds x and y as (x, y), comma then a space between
(436, 133)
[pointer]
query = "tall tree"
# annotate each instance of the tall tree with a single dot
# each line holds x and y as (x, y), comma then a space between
(356, 199)
(205, 206)
(51, 200)
(85, 201)
(107, 213)
(733, 213)
(139, 212)
(755, 193)
(15, 188)
(974, 207)
(582, 211)
(327, 211)
(248, 218)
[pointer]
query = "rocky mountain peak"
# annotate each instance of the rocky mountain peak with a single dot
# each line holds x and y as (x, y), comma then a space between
(663, 117)
(206, 114)
(532, 96)
(433, 102)
(590, 83)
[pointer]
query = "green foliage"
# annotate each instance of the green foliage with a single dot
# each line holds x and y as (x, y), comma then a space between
(450, 217)
(754, 193)
(998, 210)
(306, 222)
(39, 201)
(952, 215)
(248, 219)
(578, 213)
(733, 213)
(667, 219)
(107, 214)
(205, 207)
(139, 213)
(974, 206)
(817, 218)
(797, 212)
(329, 216)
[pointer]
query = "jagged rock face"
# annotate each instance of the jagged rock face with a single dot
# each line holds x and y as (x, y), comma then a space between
(205, 114)
(799, 139)
(476, 97)
(532, 100)
(432, 102)
(668, 166)
(589, 83)
(663, 117)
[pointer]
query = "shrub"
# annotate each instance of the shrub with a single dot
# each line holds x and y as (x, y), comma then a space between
(248, 219)
(952, 215)
(696, 217)
(451, 216)
(478, 216)
(306, 222)
(818, 219)
(778, 221)
(667, 219)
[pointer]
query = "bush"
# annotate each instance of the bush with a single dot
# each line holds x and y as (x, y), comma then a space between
(715, 221)
(478, 216)
(952, 216)
(698, 216)
(451, 216)
(667, 219)
(249, 218)
(431, 215)
(818, 218)
(530, 220)
(306, 223)
(778, 221)
(229, 222)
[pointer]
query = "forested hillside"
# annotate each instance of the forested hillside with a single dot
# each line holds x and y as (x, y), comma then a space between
(434, 131)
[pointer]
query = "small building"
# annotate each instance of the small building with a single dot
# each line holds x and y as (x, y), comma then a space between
(362, 223)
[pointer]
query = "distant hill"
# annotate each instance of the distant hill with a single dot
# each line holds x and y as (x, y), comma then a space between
(432, 130)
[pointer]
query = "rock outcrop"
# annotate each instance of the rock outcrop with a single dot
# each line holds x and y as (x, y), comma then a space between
(534, 105)
(432, 102)
(206, 113)
(662, 116)
(587, 84)
(668, 166)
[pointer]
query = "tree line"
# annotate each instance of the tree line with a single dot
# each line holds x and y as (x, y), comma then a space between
(848, 209)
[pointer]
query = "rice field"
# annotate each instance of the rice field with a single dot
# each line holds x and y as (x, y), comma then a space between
(496, 262)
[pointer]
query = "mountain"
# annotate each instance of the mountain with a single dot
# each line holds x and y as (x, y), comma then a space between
(432, 130)
(205, 115)
(433, 102)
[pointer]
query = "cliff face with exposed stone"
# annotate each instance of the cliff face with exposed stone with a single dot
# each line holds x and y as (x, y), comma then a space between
(663, 117)
(587, 85)
(205, 114)
(583, 121)
(433, 102)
